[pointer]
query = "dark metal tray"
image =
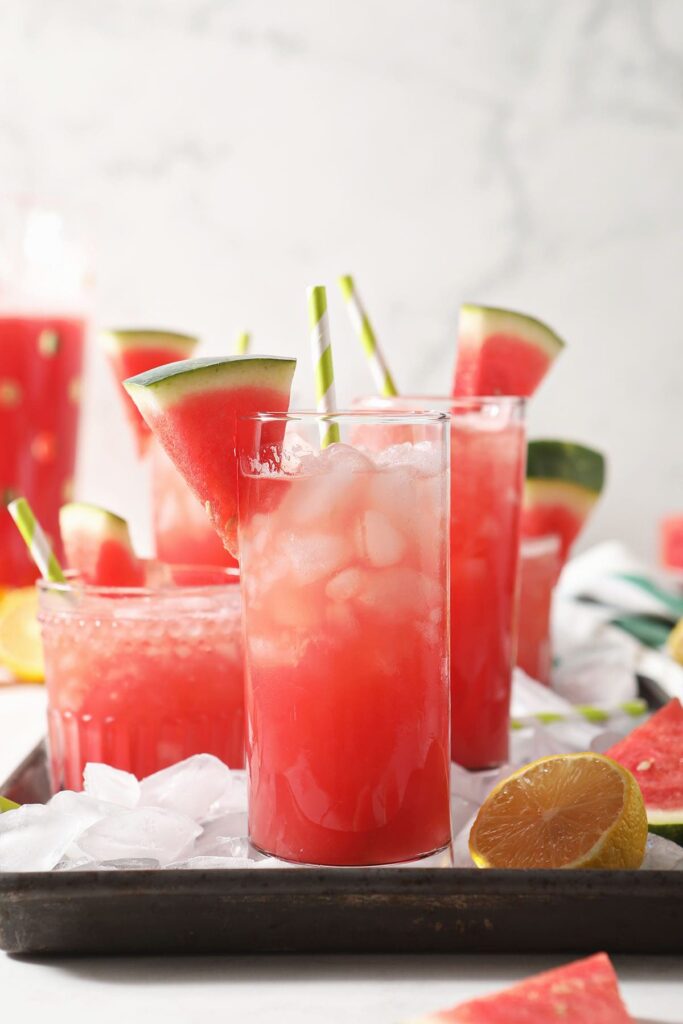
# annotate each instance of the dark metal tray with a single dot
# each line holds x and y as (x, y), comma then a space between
(370, 910)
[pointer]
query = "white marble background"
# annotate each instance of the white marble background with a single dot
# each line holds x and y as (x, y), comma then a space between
(226, 153)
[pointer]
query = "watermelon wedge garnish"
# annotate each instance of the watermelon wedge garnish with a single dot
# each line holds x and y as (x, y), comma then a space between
(653, 753)
(97, 545)
(582, 992)
(563, 483)
(193, 407)
(501, 352)
(133, 351)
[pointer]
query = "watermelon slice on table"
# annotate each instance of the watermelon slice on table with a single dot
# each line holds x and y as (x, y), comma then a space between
(653, 753)
(501, 352)
(193, 407)
(133, 351)
(97, 545)
(563, 483)
(582, 992)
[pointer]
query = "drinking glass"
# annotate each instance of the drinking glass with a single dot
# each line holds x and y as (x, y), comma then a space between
(142, 677)
(539, 568)
(43, 301)
(344, 558)
(488, 454)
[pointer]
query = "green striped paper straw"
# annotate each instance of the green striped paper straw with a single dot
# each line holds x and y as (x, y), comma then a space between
(323, 366)
(242, 343)
(36, 541)
(584, 712)
(368, 339)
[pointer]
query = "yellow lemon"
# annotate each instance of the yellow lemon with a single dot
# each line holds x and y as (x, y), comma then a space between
(565, 811)
(21, 650)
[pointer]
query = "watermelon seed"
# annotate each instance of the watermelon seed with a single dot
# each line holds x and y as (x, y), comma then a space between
(643, 766)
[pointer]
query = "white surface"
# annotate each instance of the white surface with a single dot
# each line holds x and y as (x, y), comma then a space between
(521, 152)
(293, 990)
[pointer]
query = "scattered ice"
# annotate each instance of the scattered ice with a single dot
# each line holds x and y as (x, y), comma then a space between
(204, 863)
(400, 592)
(128, 864)
(111, 784)
(36, 837)
(198, 787)
(146, 832)
(662, 855)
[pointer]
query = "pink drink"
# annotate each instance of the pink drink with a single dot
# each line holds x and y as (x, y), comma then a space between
(42, 331)
(182, 529)
(140, 679)
(488, 453)
(40, 375)
(344, 557)
(540, 564)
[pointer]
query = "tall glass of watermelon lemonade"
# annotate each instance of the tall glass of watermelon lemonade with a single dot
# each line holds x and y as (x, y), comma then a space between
(42, 329)
(487, 475)
(142, 677)
(344, 559)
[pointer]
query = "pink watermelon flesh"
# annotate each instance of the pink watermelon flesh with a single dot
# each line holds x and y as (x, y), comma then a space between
(198, 432)
(671, 542)
(543, 520)
(654, 754)
(127, 362)
(194, 408)
(583, 992)
(104, 563)
(503, 365)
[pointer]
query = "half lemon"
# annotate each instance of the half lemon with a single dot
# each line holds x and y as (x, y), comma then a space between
(21, 650)
(565, 811)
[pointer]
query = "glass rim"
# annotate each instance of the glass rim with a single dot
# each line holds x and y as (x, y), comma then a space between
(460, 401)
(393, 416)
(164, 589)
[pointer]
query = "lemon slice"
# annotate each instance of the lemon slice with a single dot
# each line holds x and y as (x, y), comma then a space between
(566, 811)
(20, 648)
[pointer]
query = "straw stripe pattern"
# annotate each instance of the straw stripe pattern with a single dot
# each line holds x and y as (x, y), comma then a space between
(242, 343)
(323, 367)
(36, 541)
(384, 382)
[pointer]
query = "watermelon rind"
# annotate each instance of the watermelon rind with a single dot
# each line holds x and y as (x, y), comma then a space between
(666, 823)
(477, 321)
(568, 462)
(163, 386)
(79, 517)
(7, 805)
(116, 340)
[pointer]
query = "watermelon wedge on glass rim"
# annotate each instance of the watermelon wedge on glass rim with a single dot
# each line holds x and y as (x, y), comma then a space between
(653, 753)
(193, 407)
(97, 546)
(563, 482)
(133, 351)
(501, 352)
(583, 992)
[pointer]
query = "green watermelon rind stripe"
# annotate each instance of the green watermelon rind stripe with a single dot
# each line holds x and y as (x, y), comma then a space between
(7, 805)
(81, 516)
(494, 320)
(673, 831)
(163, 386)
(566, 461)
(134, 338)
